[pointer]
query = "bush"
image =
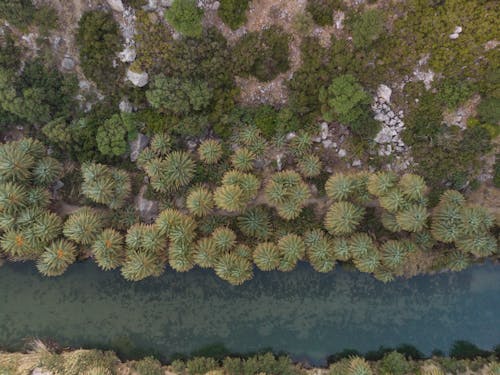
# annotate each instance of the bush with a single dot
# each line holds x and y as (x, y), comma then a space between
(488, 110)
(366, 27)
(394, 363)
(99, 39)
(232, 12)
(18, 12)
(322, 10)
(263, 55)
(201, 365)
(148, 366)
(466, 350)
(185, 17)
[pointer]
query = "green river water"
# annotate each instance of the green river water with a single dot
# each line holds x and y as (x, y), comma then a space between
(305, 313)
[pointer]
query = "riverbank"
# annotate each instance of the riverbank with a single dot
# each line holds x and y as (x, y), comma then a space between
(42, 360)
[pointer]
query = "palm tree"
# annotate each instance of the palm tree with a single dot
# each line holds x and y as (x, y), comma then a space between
(98, 184)
(413, 218)
(56, 258)
(13, 197)
(15, 162)
(320, 250)
(446, 221)
(46, 171)
(145, 157)
(309, 166)
(288, 193)
(339, 186)
(145, 237)
(379, 184)
(243, 251)
(210, 151)
(424, 239)
(122, 190)
(359, 366)
(412, 186)
(230, 198)
(108, 249)
(266, 256)
(47, 226)
(15, 244)
(161, 144)
(168, 219)
(200, 201)
(183, 231)
(141, 264)
(171, 173)
(224, 238)
(341, 248)
(38, 197)
(431, 370)
(452, 197)
(301, 144)
(250, 135)
(234, 269)
(476, 220)
(394, 254)
(360, 245)
(181, 256)
(368, 263)
(31, 146)
(255, 223)
(394, 200)
(243, 159)
(383, 274)
(389, 222)
(249, 183)
(98, 371)
(292, 247)
(206, 252)
(83, 226)
(458, 260)
(482, 245)
(343, 217)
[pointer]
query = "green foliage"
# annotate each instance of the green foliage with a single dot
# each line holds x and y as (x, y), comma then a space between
(46, 171)
(366, 27)
(262, 54)
(292, 247)
(111, 137)
(230, 198)
(185, 17)
(344, 100)
(458, 261)
(201, 365)
(359, 366)
(322, 10)
(141, 264)
(83, 226)
(496, 170)
(412, 186)
(232, 12)
(210, 151)
(452, 92)
(243, 159)
(393, 254)
(224, 239)
(56, 258)
(381, 183)
(343, 217)
(488, 110)
(265, 118)
(15, 162)
(413, 219)
(394, 363)
(319, 250)
(18, 12)
(171, 173)
(98, 40)
(360, 245)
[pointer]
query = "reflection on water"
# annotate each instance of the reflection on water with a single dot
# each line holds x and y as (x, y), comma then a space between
(302, 312)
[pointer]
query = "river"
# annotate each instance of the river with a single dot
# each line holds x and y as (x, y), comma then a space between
(305, 313)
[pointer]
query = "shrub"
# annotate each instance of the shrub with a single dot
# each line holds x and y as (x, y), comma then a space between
(232, 12)
(83, 226)
(99, 39)
(395, 363)
(322, 10)
(262, 54)
(18, 12)
(366, 27)
(56, 258)
(148, 366)
(210, 151)
(185, 17)
(343, 218)
(489, 110)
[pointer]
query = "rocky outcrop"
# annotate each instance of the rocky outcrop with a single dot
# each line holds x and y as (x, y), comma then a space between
(140, 79)
(116, 5)
(137, 145)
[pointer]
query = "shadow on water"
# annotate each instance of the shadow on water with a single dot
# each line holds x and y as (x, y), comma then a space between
(305, 313)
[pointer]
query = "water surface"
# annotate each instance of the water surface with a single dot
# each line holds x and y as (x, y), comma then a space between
(303, 312)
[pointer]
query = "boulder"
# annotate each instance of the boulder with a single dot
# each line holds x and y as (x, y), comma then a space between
(327, 143)
(148, 210)
(127, 55)
(138, 79)
(68, 63)
(342, 153)
(356, 163)
(116, 5)
(324, 130)
(137, 145)
(384, 92)
(125, 106)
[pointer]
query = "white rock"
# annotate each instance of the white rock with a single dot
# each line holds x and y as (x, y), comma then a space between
(138, 79)
(381, 117)
(279, 163)
(457, 30)
(342, 153)
(68, 63)
(384, 135)
(125, 106)
(324, 130)
(327, 143)
(356, 163)
(116, 5)
(39, 371)
(137, 145)
(454, 36)
(384, 92)
(128, 54)
(338, 18)
(316, 139)
(290, 136)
